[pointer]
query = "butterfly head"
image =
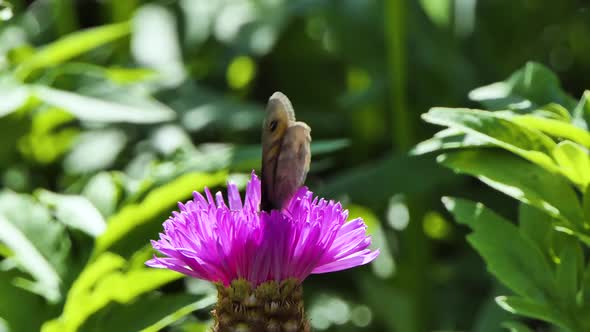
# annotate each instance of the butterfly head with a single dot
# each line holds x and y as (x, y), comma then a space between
(279, 115)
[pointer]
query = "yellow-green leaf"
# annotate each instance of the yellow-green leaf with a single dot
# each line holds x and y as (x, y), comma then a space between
(71, 46)
(574, 163)
(555, 128)
(160, 200)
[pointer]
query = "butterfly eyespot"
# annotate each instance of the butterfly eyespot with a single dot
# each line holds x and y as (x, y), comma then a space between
(273, 125)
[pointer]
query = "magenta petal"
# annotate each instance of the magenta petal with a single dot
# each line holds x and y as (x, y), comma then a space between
(206, 239)
(347, 263)
(233, 195)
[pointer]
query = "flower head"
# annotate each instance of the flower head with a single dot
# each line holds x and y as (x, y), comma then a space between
(207, 239)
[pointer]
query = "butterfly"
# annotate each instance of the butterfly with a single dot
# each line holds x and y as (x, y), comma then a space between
(286, 153)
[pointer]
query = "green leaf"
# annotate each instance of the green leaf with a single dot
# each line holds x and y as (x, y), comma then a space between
(104, 192)
(13, 127)
(39, 244)
(586, 292)
(101, 283)
(552, 111)
(181, 312)
(438, 11)
(554, 128)
(488, 316)
(50, 137)
(147, 313)
(74, 211)
(14, 299)
(581, 117)
(528, 88)
(100, 110)
(129, 75)
(446, 139)
(569, 271)
(528, 308)
(487, 126)
(160, 51)
(71, 46)
(586, 203)
(152, 210)
(522, 180)
(574, 163)
(519, 263)
(95, 150)
(514, 326)
(536, 225)
(12, 95)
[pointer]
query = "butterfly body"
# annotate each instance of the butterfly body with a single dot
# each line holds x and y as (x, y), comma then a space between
(286, 153)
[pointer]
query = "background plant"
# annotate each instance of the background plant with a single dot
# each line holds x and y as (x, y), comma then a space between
(112, 111)
(532, 146)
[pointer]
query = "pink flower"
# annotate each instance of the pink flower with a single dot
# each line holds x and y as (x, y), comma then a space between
(209, 240)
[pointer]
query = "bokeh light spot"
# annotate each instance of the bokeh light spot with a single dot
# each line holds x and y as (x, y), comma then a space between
(358, 80)
(435, 226)
(329, 310)
(361, 316)
(240, 72)
(6, 11)
(398, 215)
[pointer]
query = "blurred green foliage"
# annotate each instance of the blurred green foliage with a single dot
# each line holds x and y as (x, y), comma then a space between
(112, 111)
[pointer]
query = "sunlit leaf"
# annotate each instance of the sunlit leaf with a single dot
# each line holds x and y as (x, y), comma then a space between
(39, 244)
(526, 89)
(50, 137)
(155, 44)
(99, 110)
(71, 46)
(101, 283)
(104, 192)
(581, 116)
(522, 180)
(95, 150)
(74, 211)
(129, 75)
(574, 162)
(449, 138)
(555, 128)
(12, 95)
(527, 143)
(153, 210)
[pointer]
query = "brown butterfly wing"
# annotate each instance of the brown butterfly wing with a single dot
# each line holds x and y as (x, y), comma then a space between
(292, 164)
(279, 116)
